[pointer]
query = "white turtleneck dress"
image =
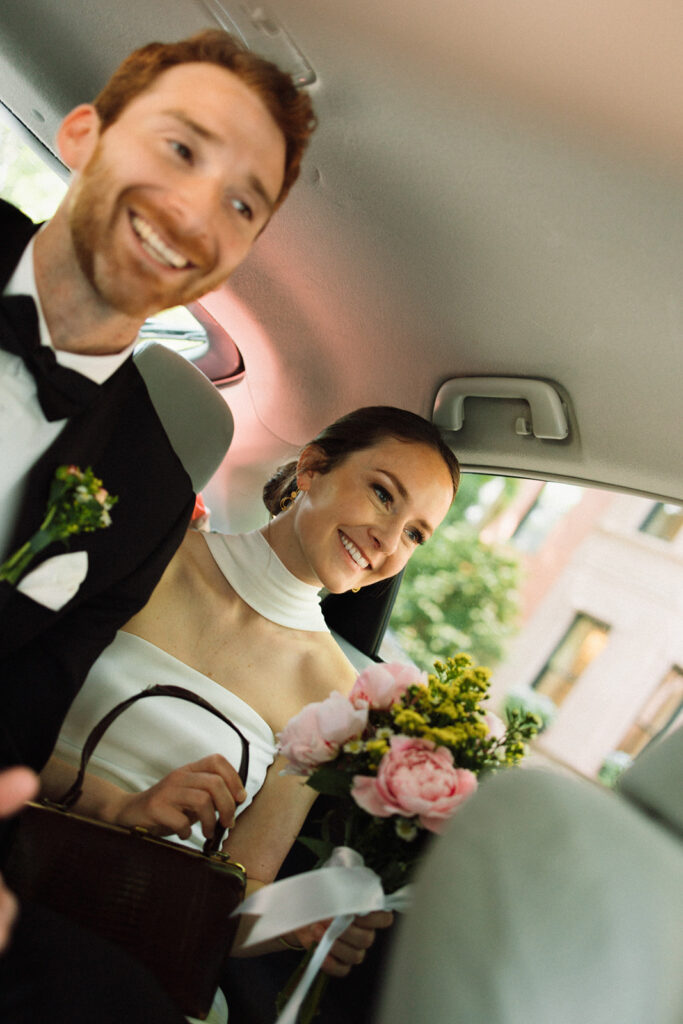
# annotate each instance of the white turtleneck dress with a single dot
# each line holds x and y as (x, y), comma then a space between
(159, 734)
(155, 736)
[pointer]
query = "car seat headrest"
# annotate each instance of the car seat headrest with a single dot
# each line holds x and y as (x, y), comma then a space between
(196, 418)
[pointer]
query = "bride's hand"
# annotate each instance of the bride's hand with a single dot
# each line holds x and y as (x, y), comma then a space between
(351, 946)
(195, 792)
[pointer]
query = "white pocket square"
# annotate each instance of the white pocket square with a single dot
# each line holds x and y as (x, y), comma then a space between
(55, 581)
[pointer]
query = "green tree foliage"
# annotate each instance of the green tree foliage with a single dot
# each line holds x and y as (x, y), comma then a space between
(459, 594)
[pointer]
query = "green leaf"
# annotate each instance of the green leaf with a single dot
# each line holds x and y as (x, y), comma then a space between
(329, 781)
(320, 847)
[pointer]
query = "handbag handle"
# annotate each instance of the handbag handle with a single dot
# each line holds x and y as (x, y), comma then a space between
(74, 792)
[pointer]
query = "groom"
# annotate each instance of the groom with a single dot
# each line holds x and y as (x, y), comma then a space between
(177, 167)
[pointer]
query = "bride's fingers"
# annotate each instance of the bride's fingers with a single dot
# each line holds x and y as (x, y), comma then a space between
(214, 787)
(375, 919)
(177, 805)
(161, 819)
(339, 962)
(200, 791)
(350, 948)
(222, 797)
(167, 810)
(348, 951)
(216, 764)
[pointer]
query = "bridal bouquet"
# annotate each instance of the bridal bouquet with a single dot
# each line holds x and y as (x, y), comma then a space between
(402, 753)
(77, 503)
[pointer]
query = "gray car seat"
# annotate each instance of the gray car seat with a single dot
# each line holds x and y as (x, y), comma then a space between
(195, 416)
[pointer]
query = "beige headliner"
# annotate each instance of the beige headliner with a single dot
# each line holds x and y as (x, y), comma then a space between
(464, 210)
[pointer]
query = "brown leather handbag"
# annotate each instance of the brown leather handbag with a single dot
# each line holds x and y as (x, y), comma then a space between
(166, 904)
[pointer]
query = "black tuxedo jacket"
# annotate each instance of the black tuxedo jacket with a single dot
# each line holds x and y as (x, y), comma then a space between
(46, 655)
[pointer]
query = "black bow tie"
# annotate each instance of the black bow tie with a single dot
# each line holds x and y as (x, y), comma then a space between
(62, 392)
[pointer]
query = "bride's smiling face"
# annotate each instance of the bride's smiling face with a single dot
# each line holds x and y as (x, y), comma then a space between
(361, 521)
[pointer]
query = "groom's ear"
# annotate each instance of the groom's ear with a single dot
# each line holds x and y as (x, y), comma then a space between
(78, 136)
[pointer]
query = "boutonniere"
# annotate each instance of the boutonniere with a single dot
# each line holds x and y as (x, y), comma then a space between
(77, 503)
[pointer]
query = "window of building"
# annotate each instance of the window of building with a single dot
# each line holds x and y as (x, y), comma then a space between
(551, 505)
(663, 521)
(657, 714)
(585, 639)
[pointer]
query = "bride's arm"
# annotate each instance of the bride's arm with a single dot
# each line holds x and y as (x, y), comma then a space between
(263, 834)
(194, 792)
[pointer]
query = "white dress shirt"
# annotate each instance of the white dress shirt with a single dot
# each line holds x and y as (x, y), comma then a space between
(25, 434)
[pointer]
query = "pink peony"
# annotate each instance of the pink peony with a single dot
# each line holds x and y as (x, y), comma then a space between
(415, 777)
(319, 730)
(381, 685)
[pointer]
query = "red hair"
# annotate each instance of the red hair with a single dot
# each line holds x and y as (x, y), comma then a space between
(290, 108)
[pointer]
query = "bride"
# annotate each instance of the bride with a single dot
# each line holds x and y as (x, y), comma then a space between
(237, 620)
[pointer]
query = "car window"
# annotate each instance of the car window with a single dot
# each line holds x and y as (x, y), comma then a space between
(571, 596)
(25, 179)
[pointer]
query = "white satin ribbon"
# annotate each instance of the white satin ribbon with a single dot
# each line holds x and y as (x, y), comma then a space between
(56, 580)
(334, 930)
(342, 888)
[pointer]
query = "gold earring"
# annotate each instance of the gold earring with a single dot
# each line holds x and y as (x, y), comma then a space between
(354, 590)
(288, 499)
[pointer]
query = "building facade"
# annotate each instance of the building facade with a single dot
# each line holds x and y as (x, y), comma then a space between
(602, 629)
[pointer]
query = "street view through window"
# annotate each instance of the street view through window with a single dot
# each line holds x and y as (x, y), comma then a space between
(571, 596)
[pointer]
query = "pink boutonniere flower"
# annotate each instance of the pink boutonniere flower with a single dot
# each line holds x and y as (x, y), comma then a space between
(77, 503)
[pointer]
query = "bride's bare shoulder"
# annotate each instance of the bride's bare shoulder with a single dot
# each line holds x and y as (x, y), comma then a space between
(185, 562)
(330, 666)
(193, 551)
(175, 583)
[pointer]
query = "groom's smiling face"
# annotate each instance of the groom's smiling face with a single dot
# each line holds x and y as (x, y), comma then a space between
(171, 196)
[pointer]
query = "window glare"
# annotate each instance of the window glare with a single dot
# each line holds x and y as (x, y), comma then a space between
(25, 180)
(179, 330)
(554, 501)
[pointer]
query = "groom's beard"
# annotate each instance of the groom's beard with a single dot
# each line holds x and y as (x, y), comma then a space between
(121, 276)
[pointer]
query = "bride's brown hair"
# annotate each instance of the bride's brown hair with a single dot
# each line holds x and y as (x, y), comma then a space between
(352, 433)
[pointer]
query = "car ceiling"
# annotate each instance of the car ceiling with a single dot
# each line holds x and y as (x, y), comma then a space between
(446, 224)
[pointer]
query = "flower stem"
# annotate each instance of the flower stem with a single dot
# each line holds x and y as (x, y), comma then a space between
(48, 518)
(311, 1004)
(12, 569)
